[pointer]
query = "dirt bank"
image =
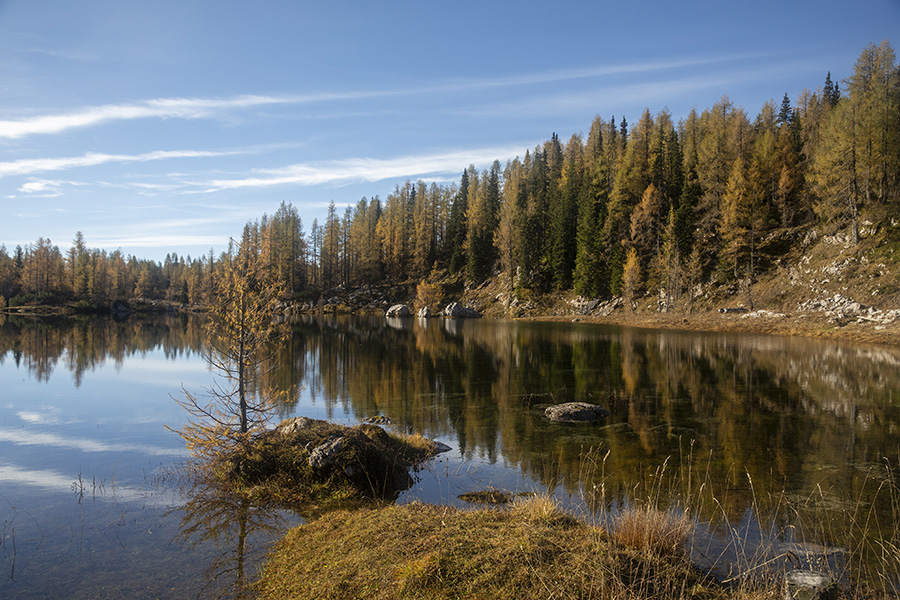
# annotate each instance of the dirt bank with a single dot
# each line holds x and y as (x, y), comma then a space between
(796, 324)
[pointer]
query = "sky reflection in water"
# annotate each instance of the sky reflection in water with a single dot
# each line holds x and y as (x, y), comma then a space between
(83, 444)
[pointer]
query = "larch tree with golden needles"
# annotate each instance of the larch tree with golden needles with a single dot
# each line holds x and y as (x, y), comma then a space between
(240, 335)
(631, 278)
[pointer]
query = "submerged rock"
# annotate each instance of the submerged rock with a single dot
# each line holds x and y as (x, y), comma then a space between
(803, 584)
(379, 420)
(440, 447)
(486, 497)
(576, 412)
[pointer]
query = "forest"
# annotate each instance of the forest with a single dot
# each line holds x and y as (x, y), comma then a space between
(652, 206)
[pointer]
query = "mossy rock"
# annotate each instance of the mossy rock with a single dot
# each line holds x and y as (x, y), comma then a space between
(286, 464)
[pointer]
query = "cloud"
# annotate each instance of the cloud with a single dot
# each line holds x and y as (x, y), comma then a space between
(367, 169)
(204, 108)
(34, 438)
(36, 418)
(620, 95)
(591, 72)
(42, 188)
(56, 481)
(161, 108)
(159, 241)
(92, 159)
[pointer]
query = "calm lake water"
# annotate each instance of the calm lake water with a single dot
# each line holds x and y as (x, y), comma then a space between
(769, 441)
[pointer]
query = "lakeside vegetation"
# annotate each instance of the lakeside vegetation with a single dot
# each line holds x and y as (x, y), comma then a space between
(533, 548)
(531, 551)
(650, 207)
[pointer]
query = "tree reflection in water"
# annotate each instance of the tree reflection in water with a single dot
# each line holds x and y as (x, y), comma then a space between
(800, 434)
(241, 531)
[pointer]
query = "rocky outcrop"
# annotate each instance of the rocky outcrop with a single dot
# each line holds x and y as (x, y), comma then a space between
(839, 309)
(325, 455)
(366, 457)
(576, 412)
(455, 310)
(764, 314)
(295, 425)
(595, 307)
(398, 310)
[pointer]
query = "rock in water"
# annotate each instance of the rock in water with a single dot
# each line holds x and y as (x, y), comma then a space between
(803, 584)
(576, 412)
(398, 310)
(455, 310)
(424, 313)
(378, 420)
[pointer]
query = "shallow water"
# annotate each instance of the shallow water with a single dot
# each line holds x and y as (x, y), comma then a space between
(769, 441)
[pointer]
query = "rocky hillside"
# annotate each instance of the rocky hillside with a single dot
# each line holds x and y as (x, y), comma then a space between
(819, 284)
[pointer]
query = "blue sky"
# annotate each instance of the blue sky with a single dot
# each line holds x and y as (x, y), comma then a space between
(165, 126)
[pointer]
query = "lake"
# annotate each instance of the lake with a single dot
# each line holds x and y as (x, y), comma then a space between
(771, 443)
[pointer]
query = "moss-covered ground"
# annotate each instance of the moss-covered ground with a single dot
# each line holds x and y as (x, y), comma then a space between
(274, 466)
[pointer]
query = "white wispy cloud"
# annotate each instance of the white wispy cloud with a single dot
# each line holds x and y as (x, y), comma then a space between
(43, 188)
(590, 72)
(149, 240)
(23, 437)
(91, 159)
(623, 94)
(204, 108)
(367, 169)
(54, 480)
(160, 108)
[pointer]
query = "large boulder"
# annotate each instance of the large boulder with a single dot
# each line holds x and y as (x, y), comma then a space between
(295, 425)
(325, 455)
(455, 310)
(398, 310)
(576, 412)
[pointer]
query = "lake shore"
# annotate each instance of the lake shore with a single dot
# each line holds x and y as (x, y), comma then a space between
(812, 325)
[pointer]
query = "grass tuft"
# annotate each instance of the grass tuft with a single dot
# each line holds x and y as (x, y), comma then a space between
(658, 532)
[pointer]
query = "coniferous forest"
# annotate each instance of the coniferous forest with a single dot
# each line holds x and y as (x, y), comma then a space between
(650, 205)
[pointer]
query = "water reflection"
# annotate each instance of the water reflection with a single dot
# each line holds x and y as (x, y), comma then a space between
(242, 531)
(804, 432)
(79, 345)
(777, 408)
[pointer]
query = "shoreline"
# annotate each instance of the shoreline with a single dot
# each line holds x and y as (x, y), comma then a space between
(816, 325)
(809, 325)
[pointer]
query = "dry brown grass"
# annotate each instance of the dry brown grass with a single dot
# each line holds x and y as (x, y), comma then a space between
(530, 551)
(659, 532)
